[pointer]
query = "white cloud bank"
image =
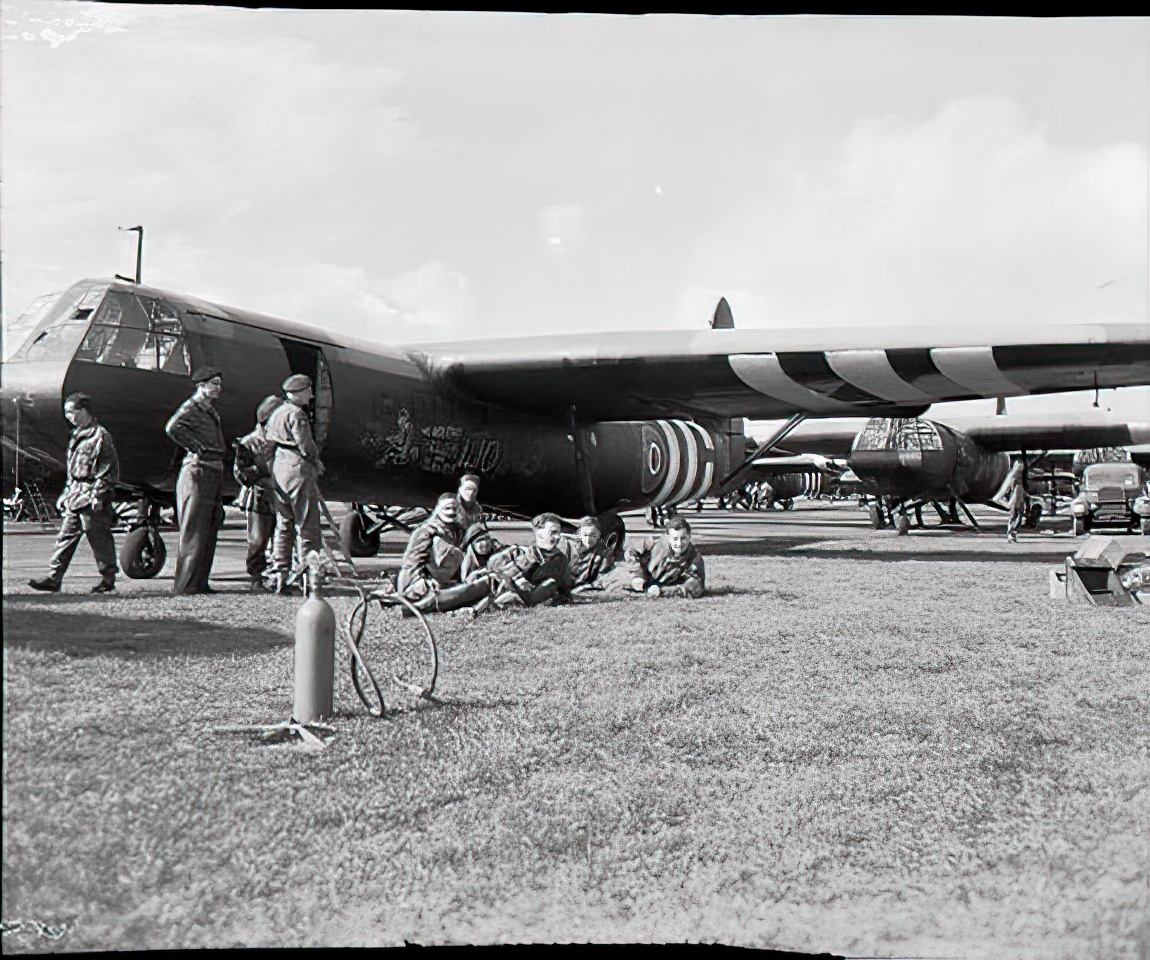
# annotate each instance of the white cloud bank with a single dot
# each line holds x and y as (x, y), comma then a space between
(972, 216)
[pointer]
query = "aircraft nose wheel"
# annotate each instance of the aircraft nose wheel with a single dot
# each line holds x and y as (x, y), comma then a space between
(143, 554)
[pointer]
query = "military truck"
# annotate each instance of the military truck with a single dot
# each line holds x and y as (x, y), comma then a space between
(1111, 495)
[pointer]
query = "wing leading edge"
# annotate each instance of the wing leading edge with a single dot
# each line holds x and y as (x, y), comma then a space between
(764, 374)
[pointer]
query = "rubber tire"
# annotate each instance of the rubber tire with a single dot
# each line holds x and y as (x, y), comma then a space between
(876, 517)
(1077, 527)
(1033, 515)
(143, 554)
(788, 504)
(902, 524)
(612, 528)
(353, 539)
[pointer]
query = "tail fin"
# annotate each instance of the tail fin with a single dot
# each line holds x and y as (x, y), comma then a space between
(723, 318)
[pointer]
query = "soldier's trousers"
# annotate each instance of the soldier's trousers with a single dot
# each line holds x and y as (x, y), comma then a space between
(297, 506)
(200, 505)
(261, 528)
(96, 525)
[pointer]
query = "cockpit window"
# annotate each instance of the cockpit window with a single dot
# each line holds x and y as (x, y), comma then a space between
(882, 433)
(17, 331)
(67, 320)
(136, 331)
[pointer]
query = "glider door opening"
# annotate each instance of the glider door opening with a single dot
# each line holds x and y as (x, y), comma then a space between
(308, 359)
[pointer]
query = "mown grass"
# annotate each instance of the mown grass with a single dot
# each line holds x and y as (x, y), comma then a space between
(827, 755)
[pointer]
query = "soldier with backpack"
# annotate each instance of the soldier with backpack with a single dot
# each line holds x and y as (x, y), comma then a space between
(253, 472)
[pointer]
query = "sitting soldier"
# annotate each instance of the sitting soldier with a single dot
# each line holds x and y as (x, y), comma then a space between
(669, 566)
(528, 576)
(432, 559)
(588, 556)
(478, 545)
(429, 575)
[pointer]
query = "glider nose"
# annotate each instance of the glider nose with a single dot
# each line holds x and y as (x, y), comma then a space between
(34, 430)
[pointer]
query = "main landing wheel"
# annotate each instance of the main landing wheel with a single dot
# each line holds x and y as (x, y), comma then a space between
(876, 518)
(613, 531)
(354, 537)
(902, 524)
(143, 554)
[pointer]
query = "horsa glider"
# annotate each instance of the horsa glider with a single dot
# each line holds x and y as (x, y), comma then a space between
(949, 461)
(575, 423)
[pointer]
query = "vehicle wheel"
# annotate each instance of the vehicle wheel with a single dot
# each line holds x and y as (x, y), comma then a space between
(788, 503)
(614, 532)
(354, 538)
(1077, 527)
(876, 518)
(902, 524)
(143, 553)
(1033, 515)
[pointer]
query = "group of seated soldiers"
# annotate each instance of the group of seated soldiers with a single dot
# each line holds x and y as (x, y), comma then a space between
(453, 563)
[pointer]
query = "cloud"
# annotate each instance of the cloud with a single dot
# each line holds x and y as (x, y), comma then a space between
(430, 301)
(974, 215)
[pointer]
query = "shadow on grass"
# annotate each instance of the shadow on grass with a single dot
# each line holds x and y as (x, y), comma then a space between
(92, 635)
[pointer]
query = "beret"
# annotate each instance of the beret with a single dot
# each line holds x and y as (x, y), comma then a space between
(267, 408)
(297, 382)
(205, 373)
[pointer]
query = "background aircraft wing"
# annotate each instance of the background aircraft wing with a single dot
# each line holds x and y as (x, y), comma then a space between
(762, 374)
(1067, 431)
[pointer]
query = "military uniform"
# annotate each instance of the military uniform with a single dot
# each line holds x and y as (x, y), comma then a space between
(524, 570)
(480, 544)
(257, 497)
(295, 467)
(431, 561)
(1017, 510)
(93, 469)
(676, 576)
(196, 427)
(587, 564)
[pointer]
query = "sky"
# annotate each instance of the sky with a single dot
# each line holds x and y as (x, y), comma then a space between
(408, 176)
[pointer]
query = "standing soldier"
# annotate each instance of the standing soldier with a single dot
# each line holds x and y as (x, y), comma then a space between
(93, 469)
(196, 427)
(1017, 504)
(295, 467)
(257, 494)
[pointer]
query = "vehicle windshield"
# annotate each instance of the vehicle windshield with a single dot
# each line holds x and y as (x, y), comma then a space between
(1111, 475)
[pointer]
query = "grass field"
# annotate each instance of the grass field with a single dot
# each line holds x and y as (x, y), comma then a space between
(846, 755)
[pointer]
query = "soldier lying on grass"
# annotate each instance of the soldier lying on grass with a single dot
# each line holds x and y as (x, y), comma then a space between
(588, 556)
(669, 566)
(529, 576)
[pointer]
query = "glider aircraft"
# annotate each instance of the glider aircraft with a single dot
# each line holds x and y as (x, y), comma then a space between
(908, 463)
(574, 423)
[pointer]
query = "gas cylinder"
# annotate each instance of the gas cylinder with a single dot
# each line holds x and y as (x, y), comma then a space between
(314, 654)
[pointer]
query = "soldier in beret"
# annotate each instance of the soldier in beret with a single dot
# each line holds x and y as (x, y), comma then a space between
(295, 467)
(196, 427)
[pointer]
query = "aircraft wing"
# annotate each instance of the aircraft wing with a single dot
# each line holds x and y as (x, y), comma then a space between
(763, 374)
(768, 465)
(1066, 431)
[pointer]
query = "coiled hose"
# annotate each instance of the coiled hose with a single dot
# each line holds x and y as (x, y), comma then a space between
(354, 627)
